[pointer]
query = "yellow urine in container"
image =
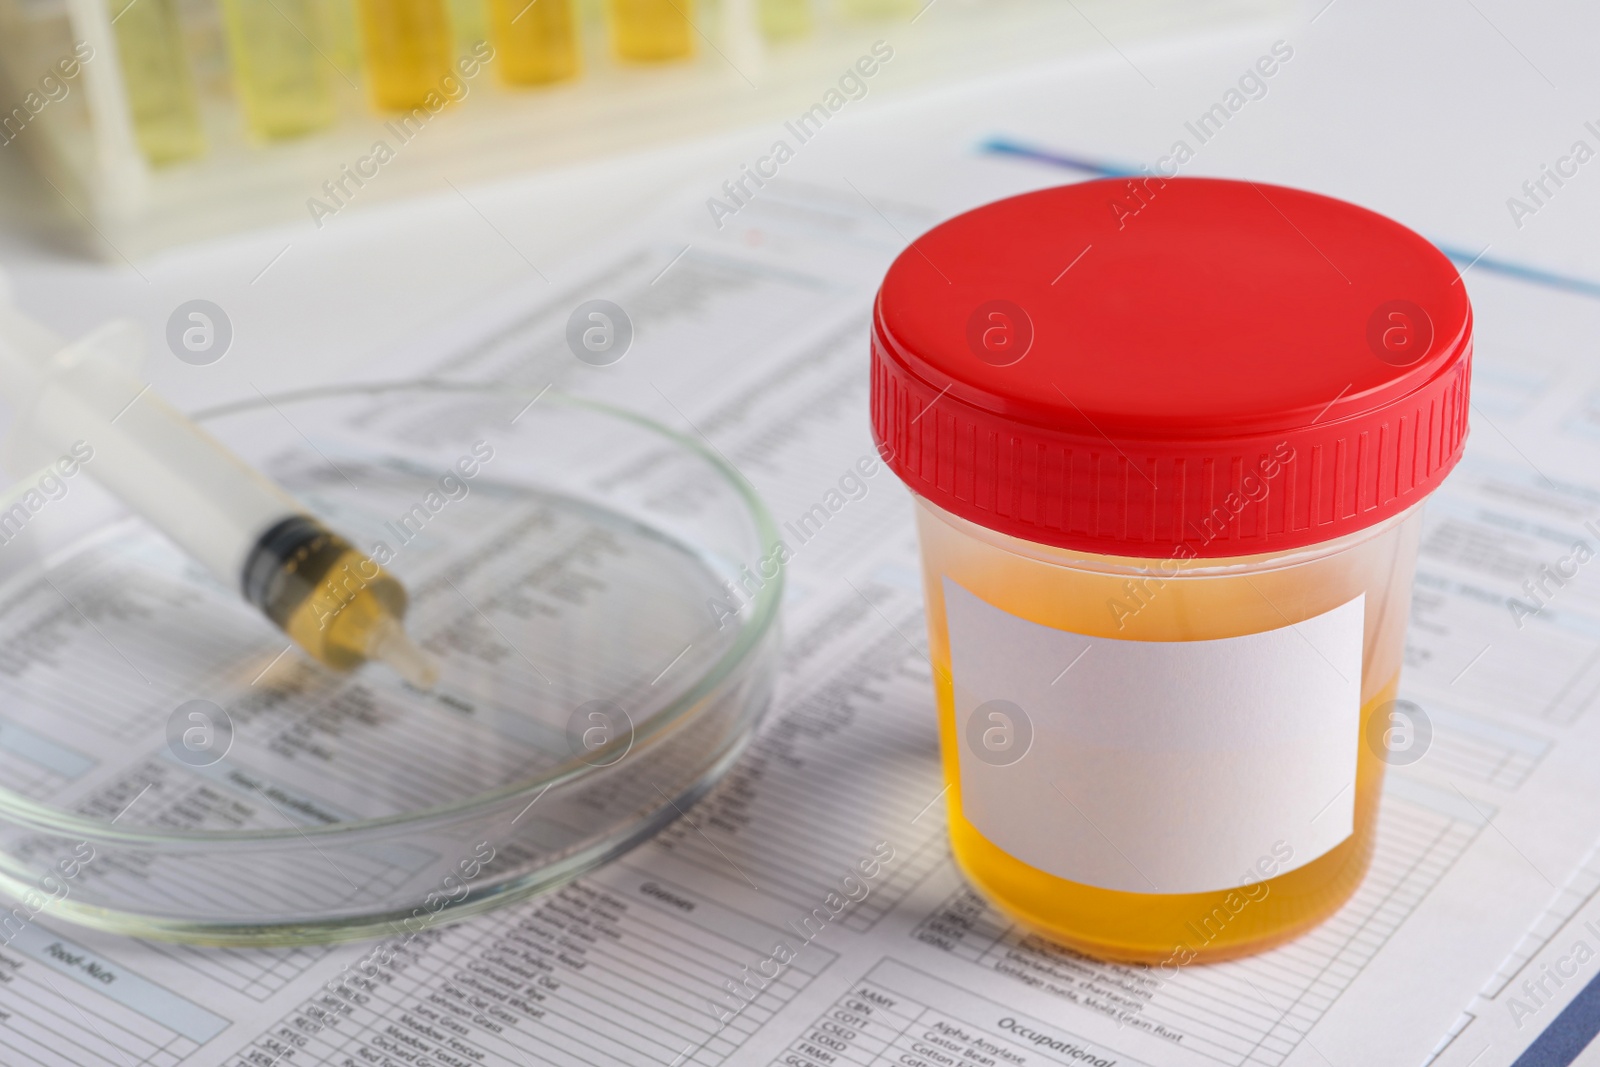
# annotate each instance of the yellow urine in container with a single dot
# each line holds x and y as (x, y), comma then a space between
(1173, 601)
(281, 79)
(536, 41)
(407, 48)
(156, 77)
(783, 20)
(651, 30)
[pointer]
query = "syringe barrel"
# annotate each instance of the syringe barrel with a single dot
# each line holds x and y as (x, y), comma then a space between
(180, 478)
(336, 604)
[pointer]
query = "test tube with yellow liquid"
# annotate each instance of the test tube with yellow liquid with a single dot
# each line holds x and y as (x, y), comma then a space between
(783, 20)
(155, 75)
(651, 30)
(281, 80)
(406, 50)
(536, 41)
(469, 21)
(337, 36)
(875, 10)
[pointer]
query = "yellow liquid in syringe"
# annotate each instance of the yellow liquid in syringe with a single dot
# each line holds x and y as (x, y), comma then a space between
(335, 623)
(281, 80)
(407, 49)
(335, 603)
(536, 41)
(650, 30)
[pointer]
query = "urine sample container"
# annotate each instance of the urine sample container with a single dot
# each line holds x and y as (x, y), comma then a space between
(1168, 441)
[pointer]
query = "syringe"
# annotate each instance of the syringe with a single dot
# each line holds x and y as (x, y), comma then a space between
(330, 598)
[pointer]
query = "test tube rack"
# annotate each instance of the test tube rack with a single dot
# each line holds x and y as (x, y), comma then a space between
(78, 134)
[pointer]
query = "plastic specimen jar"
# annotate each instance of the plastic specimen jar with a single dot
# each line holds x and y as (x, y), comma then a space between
(1168, 441)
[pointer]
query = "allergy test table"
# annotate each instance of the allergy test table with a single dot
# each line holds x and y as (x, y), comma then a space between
(1477, 929)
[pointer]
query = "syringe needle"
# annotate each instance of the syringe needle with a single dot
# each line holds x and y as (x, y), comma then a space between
(389, 643)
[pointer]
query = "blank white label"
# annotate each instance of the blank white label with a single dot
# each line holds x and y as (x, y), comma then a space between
(1157, 766)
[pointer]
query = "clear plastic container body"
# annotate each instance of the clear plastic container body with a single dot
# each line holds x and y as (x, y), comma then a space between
(1174, 600)
(171, 767)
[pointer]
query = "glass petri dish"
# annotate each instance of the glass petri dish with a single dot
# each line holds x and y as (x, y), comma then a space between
(171, 767)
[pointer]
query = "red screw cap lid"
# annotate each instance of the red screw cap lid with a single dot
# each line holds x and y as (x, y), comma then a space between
(1182, 367)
